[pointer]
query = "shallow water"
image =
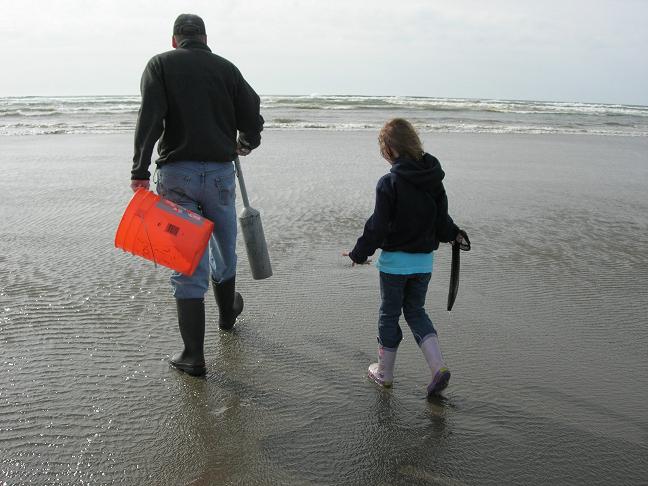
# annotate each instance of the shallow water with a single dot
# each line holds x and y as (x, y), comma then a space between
(547, 343)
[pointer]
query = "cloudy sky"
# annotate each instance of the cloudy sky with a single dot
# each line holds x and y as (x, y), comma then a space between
(571, 50)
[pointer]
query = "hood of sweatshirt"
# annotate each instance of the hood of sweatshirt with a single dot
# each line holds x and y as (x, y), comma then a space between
(426, 173)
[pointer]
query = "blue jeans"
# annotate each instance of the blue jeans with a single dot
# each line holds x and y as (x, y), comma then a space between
(209, 189)
(406, 292)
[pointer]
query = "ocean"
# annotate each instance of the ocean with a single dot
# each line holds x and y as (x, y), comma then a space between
(115, 114)
(547, 341)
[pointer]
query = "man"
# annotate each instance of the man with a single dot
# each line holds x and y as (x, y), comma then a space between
(204, 114)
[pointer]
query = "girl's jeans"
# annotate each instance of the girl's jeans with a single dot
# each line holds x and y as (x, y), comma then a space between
(406, 292)
(209, 189)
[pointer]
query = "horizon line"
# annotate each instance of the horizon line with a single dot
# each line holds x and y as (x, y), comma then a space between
(318, 95)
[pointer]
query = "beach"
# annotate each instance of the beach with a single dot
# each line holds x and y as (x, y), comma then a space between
(547, 341)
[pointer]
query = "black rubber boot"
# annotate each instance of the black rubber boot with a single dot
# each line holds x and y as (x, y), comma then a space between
(230, 303)
(191, 320)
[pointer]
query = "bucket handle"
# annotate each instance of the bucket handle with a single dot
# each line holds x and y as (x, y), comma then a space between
(149, 241)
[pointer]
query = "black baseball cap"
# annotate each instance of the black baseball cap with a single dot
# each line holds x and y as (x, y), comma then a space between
(189, 24)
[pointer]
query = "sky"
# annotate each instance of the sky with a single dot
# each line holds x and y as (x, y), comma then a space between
(568, 50)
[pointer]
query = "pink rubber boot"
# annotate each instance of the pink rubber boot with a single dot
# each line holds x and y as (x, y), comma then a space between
(440, 373)
(382, 372)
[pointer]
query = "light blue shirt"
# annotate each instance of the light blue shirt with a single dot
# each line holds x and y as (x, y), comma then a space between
(403, 263)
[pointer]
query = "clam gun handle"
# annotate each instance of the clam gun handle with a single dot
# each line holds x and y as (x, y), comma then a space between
(239, 174)
(253, 235)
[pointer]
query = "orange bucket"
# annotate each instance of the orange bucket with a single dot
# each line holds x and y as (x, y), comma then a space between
(163, 232)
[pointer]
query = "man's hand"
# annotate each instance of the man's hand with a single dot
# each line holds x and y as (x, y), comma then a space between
(241, 150)
(137, 183)
(353, 264)
(242, 146)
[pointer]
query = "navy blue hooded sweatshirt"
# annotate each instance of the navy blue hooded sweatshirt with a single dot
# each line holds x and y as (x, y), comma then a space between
(411, 212)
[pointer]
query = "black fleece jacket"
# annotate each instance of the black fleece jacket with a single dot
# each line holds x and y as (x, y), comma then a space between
(411, 212)
(195, 101)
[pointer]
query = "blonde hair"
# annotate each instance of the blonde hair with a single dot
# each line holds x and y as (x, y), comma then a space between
(398, 135)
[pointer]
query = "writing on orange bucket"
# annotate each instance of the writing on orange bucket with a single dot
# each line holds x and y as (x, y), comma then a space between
(163, 232)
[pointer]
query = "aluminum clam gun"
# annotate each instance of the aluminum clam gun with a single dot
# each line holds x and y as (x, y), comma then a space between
(253, 236)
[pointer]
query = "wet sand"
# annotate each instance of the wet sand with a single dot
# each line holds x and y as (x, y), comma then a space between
(547, 342)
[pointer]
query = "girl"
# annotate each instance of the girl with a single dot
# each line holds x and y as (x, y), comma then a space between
(409, 220)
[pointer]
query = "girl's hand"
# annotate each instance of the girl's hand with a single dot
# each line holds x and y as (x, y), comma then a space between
(353, 264)
(462, 240)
